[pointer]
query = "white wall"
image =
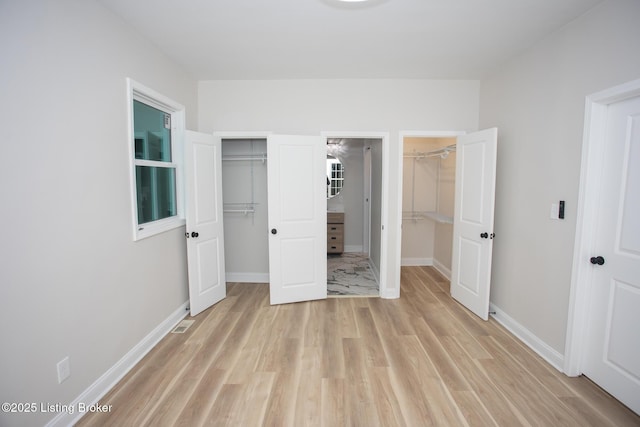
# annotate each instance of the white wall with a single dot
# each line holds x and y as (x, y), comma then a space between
(313, 106)
(537, 102)
(72, 281)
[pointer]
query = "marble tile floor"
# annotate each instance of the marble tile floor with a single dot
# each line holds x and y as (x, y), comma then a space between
(349, 274)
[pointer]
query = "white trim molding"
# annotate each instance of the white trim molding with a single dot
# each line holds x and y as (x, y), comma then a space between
(416, 262)
(593, 146)
(242, 135)
(554, 358)
(110, 378)
(445, 271)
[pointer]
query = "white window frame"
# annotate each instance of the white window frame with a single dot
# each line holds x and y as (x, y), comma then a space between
(141, 93)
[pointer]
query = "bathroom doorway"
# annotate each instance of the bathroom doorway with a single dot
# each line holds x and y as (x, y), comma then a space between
(354, 194)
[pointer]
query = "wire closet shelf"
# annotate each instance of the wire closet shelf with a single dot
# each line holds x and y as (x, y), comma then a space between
(413, 215)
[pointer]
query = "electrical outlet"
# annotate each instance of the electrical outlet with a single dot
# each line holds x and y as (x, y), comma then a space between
(64, 370)
(553, 214)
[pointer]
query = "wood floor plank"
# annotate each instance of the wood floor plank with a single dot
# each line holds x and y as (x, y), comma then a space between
(225, 408)
(347, 326)
(360, 409)
(473, 411)
(249, 355)
(234, 341)
(387, 406)
(370, 337)
(255, 397)
(202, 398)
(314, 328)
(444, 364)
(332, 362)
(280, 410)
(418, 361)
(309, 394)
(387, 313)
(542, 407)
(152, 390)
(533, 363)
(497, 403)
(417, 384)
(592, 396)
(332, 402)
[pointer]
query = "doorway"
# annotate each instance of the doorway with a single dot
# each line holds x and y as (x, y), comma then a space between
(605, 292)
(354, 195)
(245, 208)
(428, 197)
(473, 210)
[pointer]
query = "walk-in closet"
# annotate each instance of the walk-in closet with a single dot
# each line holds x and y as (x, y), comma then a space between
(428, 199)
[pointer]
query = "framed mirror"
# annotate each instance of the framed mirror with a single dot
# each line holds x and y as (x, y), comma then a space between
(335, 176)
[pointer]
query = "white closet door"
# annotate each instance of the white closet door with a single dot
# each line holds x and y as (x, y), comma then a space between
(297, 218)
(612, 353)
(205, 231)
(473, 220)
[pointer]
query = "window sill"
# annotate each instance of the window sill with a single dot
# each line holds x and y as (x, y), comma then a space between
(154, 228)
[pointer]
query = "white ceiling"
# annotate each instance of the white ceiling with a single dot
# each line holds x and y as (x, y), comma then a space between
(294, 39)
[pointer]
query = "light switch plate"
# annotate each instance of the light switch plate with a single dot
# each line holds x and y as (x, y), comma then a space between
(64, 370)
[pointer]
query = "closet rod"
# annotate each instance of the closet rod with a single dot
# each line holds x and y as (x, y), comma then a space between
(243, 208)
(262, 157)
(242, 211)
(439, 152)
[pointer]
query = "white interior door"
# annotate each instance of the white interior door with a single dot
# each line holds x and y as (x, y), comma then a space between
(297, 218)
(205, 232)
(473, 220)
(612, 354)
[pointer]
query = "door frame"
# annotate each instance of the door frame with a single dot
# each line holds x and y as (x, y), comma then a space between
(401, 136)
(366, 221)
(593, 146)
(385, 290)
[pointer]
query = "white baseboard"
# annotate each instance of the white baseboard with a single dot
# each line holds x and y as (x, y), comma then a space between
(416, 262)
(554, 358)
(353, 249)
(442, 269)
(247, 277)
(102, 385)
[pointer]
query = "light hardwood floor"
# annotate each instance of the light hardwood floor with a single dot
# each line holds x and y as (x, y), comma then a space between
(420, 360)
